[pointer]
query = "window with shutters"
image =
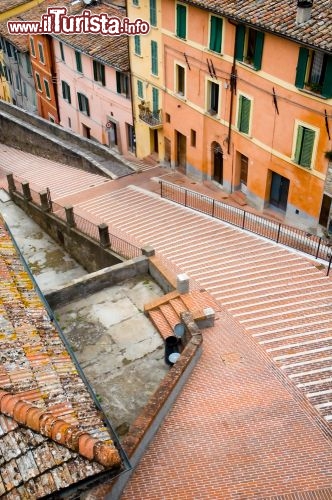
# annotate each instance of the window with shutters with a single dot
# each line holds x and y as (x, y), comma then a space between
(39, 87)
(122, 84)
(153, 12)
(249, 46)
(243, 117)
(155, 100)
(66, 91)
(62, 53)
(41, 53)
(304, 146)
(181, 21)
(135, 3)
(213, 91)
(314, 72)
(47, 89)
(215, 34)
(99, 72)
(32, 47)
(154, 58)
(140, 92)
(83, 104)
(78, 58)
(180, 80)
(137, 41)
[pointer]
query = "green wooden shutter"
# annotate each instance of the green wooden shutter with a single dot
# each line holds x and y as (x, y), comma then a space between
(301, 67)
(327, 84)
(215, 34)
(95, 72)
(153, 13)
(137, 40)
(244, 114)
(239, 42)
(258, 50)
(68, 93)
(298, 146)
(87, 106)
(155, 99)
(181, 21)
(307, 147)
(154, 58)
(63, 89)
(140, 89)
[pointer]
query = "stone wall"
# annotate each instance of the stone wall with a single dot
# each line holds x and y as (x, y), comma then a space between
(94, 282)
(34, 134)
(86, 251)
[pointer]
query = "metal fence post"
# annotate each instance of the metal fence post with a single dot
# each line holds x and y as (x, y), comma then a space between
(330, 262)
(213, 207)
(161, 188)
(244, 218)
(278, 232)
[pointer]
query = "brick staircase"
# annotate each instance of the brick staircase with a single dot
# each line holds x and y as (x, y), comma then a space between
(165, 311)
(278, 296)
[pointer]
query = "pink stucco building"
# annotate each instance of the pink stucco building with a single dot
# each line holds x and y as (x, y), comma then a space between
(92, 73)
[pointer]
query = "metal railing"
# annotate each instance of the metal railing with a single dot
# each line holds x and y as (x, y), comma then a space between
(275, 231)
(87, 227)
(118, 245)
(123, 247)
(152, 118)
(57, 210)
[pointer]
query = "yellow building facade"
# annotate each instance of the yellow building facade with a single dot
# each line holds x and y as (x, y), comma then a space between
(12, 8)
(4, 87)
(146, 58)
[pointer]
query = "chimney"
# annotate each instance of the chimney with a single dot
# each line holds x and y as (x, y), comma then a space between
(303, 13)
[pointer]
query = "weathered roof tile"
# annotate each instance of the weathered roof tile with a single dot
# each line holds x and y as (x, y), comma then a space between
(47, 396)
(279, 17)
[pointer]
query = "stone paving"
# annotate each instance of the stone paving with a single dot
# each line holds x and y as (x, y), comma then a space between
(118, 348)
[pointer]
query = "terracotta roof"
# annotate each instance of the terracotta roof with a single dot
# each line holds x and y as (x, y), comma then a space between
(111, 50)
(51, 433)
(33, 14)
(278, 17)
(10, 4)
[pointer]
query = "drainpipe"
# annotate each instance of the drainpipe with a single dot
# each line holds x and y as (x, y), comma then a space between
(233, 92)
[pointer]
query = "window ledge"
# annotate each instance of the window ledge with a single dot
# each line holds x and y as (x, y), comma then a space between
(182, 97)
(207, 49)
(313, 94)
(247, 65)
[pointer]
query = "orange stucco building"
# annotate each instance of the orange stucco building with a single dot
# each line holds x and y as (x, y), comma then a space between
(44, 72)
(248, 100)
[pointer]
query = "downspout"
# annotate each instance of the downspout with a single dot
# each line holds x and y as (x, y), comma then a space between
(131, 88)
(233, 92)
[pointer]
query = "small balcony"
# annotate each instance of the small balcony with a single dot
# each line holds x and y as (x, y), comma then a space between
(152, 118)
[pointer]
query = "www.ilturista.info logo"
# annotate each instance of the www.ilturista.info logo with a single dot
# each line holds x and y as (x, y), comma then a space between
(56, 21)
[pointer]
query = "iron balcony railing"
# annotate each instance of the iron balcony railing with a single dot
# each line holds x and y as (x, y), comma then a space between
(152, 118)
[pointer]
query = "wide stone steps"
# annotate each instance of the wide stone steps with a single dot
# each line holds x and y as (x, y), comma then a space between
(62, 180)
(278, 296)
